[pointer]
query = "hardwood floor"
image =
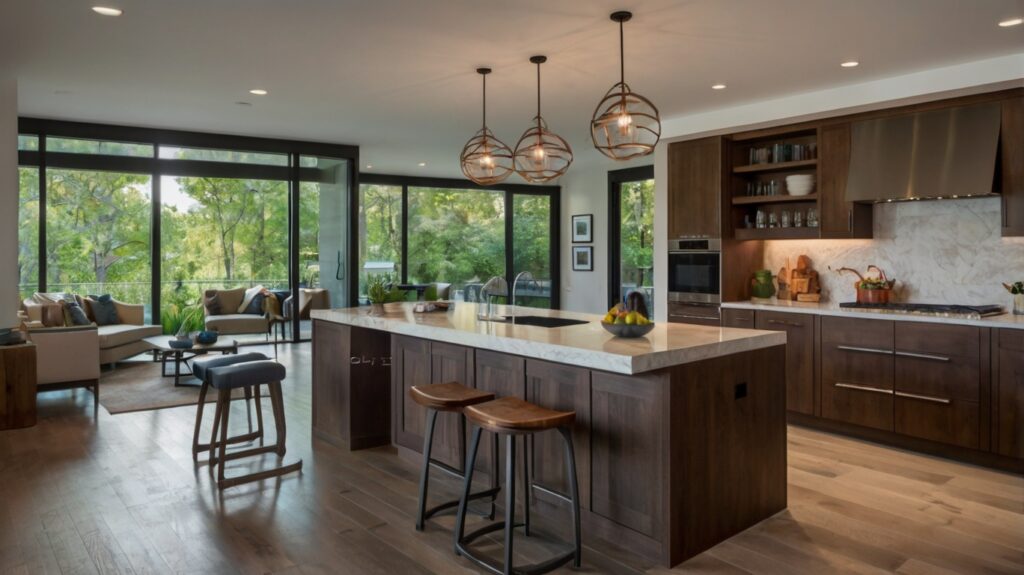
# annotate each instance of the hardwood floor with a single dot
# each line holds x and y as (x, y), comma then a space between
(121, 495)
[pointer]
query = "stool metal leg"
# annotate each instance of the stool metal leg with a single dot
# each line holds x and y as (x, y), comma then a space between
(574, 493)
(510, 499)
(526, 485)
(428, 440)
(495, 475)
(467, 485)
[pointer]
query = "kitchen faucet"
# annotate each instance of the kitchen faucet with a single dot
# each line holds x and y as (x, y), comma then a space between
(525, 276)
(494, 287)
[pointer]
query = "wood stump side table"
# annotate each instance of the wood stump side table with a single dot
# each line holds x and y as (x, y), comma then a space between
(17, 386)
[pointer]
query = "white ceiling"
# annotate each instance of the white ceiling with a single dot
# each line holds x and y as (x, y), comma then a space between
(397, 77)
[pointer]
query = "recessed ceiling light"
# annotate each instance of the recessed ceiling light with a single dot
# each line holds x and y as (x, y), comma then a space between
(1011, 22)
(258, 91)
(850, 64)
(718, 87)
(107, 10)
(369, 166)
(421, 164)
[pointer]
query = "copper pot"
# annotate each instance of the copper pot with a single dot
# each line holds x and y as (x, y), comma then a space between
(873, 295)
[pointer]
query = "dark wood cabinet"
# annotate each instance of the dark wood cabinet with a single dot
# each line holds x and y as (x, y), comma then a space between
(743, 318)
(565, 388)
(857, 371)
(449, 363)
(505, 375)
(694, 188)
(694, 313)
(1008, 392)
(410, 366)
(838, 218)
(1011, 159)
(800, 339)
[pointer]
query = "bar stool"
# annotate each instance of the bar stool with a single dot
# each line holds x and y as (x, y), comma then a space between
(453, 398)
(248, 374)
(201, 369)
(510, 416)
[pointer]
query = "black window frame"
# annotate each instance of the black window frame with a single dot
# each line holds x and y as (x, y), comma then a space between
(509, 191)
(615, 180)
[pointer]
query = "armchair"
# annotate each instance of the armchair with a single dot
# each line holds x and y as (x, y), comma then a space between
(67, 357)
(125, 339)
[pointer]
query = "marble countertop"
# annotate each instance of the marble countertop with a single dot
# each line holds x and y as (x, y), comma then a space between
(585, 345)
(1006, 320)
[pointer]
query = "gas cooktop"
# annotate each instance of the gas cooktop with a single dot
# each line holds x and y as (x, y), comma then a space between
(939, 310)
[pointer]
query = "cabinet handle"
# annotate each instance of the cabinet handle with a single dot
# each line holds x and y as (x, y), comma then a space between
(849, 219)
(924, 397)
(783, 322)
(863, 388)
(864, 349)
(922, 355)
(687, 316)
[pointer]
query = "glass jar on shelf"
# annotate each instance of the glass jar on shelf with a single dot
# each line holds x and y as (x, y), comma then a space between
(785, 218)
(798, 219)
(812, 217)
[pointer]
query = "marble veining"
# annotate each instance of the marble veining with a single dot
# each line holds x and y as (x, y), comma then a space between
(587, 345)
(939, 251)
(1006, 320)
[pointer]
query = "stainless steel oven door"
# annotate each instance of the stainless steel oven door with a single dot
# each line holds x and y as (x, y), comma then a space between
(694, 276)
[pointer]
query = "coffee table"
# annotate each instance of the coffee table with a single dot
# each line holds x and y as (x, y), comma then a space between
(162, 346)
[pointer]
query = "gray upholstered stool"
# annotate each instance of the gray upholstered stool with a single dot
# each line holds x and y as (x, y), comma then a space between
(248, 374)
(201, 369)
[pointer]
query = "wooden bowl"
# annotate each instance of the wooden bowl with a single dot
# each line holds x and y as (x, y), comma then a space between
(628, 330)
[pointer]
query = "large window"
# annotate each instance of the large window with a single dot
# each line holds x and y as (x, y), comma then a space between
(156, 217)
(425, 231)
(631, 245)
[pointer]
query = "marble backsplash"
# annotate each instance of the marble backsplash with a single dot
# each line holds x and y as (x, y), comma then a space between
(939, 251)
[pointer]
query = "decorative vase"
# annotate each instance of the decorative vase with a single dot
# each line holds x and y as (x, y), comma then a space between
(1018, 303)
(376, 309)
(762, 286)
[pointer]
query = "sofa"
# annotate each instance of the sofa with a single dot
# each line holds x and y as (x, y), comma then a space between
(115, 342)
(220, 307)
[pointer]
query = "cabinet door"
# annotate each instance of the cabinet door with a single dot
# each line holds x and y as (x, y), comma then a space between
(694, 313)
(857, 365)
(938, 382)
(1011, 144)
(449, 363)
(694, 188)
(565, 388)
(743, 318)
(1008, 395)
(799, 330)
(410, 365)
(839, 218)
(331, 350)
(505, 375)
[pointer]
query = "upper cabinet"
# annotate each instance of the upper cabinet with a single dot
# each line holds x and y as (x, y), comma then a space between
(839, 218)
(694, 188)
(1011, 158)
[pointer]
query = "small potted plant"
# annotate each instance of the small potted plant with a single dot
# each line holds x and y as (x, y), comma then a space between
(380, 290)
(1017, 290)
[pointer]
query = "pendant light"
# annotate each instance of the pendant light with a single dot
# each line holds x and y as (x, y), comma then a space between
(625, 125)
(541, 155)
(485, 159)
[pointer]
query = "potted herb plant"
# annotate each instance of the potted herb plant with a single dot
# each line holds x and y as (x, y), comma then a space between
(1017, 290)
(380, 290)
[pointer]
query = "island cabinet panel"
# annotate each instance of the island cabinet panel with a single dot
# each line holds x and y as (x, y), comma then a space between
(565, 388)
(857, 367)
(351, 385)
(799, 328)
(628, 439)
(449, 363)
(410, 366)
(938, 382)
(505, 376)
(1008, 392)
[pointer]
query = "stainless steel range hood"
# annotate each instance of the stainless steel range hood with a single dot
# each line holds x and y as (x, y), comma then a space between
(947, 153)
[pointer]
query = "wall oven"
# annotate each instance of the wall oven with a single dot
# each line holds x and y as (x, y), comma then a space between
(694, 281)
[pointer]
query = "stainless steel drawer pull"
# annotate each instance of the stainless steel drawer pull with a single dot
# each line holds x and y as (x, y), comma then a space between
(782, 322)
(924, 397)
(863, 388)
(707, 317)
(864, 349)
(922, 355)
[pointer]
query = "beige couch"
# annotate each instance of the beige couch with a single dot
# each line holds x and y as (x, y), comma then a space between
(66, 355)
(229, 321)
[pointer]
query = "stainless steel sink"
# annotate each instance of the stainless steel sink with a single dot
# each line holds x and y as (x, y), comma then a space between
(542, 321)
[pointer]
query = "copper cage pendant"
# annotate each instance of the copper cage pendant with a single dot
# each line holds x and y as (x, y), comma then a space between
(541, 155)
(485, 159)
(625, 125)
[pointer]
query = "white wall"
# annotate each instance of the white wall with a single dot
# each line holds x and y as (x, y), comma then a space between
(585, 191)
(8, 201)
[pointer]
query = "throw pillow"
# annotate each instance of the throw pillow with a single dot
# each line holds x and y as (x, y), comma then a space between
(104, 311)
(212, 304)
(272, 304)
(51, 314)
(74, 314)
(247, 299)
(255, 306)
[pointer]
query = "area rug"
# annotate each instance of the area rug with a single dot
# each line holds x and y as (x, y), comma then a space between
(138, 386)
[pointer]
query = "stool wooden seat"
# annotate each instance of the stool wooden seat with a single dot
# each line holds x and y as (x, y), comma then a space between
(513, 415)
(450, 397)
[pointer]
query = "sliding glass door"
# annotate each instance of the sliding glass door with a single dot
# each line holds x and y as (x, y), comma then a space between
(531, 241)
(631, 241)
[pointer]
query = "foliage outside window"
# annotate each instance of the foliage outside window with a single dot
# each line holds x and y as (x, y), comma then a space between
(532, 248)
(637, 238)
(380, 233)
(28, 231)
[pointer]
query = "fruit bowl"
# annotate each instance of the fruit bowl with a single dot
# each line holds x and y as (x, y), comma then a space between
(628, 329)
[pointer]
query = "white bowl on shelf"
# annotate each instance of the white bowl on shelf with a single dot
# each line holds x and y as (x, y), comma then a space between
(799, 184)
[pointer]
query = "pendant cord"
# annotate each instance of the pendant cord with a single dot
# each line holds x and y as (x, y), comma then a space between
(485, 101)
(538, 94)
(622, 54)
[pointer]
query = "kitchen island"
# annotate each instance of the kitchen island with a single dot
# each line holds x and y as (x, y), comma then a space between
(680, 436)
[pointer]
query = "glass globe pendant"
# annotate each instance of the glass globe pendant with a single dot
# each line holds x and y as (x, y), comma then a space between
(541, 155)
(485, 159)
(625, 125)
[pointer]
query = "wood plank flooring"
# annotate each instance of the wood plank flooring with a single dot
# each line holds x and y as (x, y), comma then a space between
(121, 495)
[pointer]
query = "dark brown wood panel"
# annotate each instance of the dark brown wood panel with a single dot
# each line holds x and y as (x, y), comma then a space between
(1011, 159)
(954, 423)
(743, 318)
(937, 360)
(330, 377)
(696, 314)
(839, 218)
(1008, 392)
(505, 375)
(410, 366)
(449, 363)
(564, 388)
(857, 371)
(627, 441)
(727, 421)
(800, 336)
(17, 386)
(694, 188)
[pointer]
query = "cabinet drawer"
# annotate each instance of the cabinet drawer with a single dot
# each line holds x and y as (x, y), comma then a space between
(694, 313)
(857, 369)
(782, 321)
(936, 339)
(799, 330)
(953, 377)
(871, 334)
(870, 406)
(743, 318)
(1011, 339)
(954, 422)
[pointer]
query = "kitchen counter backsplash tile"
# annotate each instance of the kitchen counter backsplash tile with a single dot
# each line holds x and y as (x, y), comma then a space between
(939, 251)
